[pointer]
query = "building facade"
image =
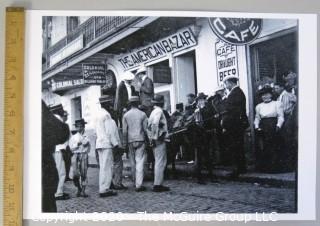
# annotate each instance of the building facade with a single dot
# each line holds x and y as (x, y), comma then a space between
(182, 55)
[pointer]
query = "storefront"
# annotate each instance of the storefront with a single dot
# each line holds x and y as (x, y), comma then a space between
(182, 56)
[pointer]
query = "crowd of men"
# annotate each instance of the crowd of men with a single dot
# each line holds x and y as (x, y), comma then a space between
(139, 125)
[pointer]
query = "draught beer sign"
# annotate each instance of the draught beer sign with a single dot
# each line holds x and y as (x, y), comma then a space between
(237, 31)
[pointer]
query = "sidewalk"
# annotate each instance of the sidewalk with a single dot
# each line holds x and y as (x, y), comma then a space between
(185, 170)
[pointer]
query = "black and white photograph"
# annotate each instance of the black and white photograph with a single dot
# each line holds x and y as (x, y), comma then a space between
(174, 114)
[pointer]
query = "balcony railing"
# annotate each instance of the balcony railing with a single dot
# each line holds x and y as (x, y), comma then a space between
(92, 29)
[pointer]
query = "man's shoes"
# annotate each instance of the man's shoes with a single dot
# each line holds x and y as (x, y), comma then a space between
(190, 162)
(119, 187)
(79, 193)
(160, 188)
(65, 196)
(84, 195)
(140, 189)
(107, 194)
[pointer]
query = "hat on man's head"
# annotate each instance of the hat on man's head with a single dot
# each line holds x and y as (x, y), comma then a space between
(134, 99)
(79, 122)
(201, 95)
(191, 95)
(179, 106)
(128, 75)
(158, 99)
(233, 77)
(57, 109)
(218, 88)
(106, 99)
(142, 69)
(290, 75)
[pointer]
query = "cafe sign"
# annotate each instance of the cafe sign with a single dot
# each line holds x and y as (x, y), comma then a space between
(181, 40)
(94, 74)
(227, 60)
(236, 31)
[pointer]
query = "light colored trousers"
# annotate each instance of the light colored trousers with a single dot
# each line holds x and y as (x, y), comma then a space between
(117, 168)
(61, 172)
(160, 161)
(137, 157)
(106, 168)
(79, 167)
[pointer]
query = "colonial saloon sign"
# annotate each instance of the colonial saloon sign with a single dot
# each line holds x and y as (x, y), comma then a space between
(181, 40)
(237, 31)
(94, 74)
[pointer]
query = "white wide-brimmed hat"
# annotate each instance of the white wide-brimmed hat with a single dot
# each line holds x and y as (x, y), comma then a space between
(230, 77)
(142, 69)
(128, 75)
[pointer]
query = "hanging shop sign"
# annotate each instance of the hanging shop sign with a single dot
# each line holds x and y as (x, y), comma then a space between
(227, 60)
(111, 82)
(66, 84)
(94, 74)
(181, 40)
(237, 31)
(66, 51)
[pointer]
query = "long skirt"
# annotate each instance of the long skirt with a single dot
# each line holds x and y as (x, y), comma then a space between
(268, 150)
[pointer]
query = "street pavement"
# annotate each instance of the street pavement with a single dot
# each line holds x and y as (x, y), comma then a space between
(185, 196)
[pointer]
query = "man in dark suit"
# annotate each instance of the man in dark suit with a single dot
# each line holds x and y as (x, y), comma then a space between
(124, 90)
(146, 90)
(234, 122)
(54, 132)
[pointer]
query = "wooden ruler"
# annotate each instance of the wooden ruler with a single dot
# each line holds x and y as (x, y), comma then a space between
(13, 117)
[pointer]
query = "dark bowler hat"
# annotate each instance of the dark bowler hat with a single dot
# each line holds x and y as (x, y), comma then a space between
(80, 122)
(201, 96)
(179, 106)
(105, 99)
(158, 99)
(191, 95)
(134, 99)
(265, 90)
(56, 108)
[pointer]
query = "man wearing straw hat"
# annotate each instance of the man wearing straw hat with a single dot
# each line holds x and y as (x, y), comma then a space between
(134, 135)
(146, 90)
(234, 122)
(107, 141)
(158, 133)
(60, 149)
(80, 147)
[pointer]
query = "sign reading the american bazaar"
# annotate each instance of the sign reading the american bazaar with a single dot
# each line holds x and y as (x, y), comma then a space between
(227, 61)
(237, 31)
(94, 74)
(181, 40)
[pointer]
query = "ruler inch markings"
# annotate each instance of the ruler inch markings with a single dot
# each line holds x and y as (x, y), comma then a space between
(13, 116)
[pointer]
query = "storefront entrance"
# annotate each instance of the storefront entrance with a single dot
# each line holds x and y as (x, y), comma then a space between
(76, 110)
(185, 76)
(272, 59)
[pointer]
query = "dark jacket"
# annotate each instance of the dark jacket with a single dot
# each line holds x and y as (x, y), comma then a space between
(53, 132)
(146, 92)
(234, 115)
